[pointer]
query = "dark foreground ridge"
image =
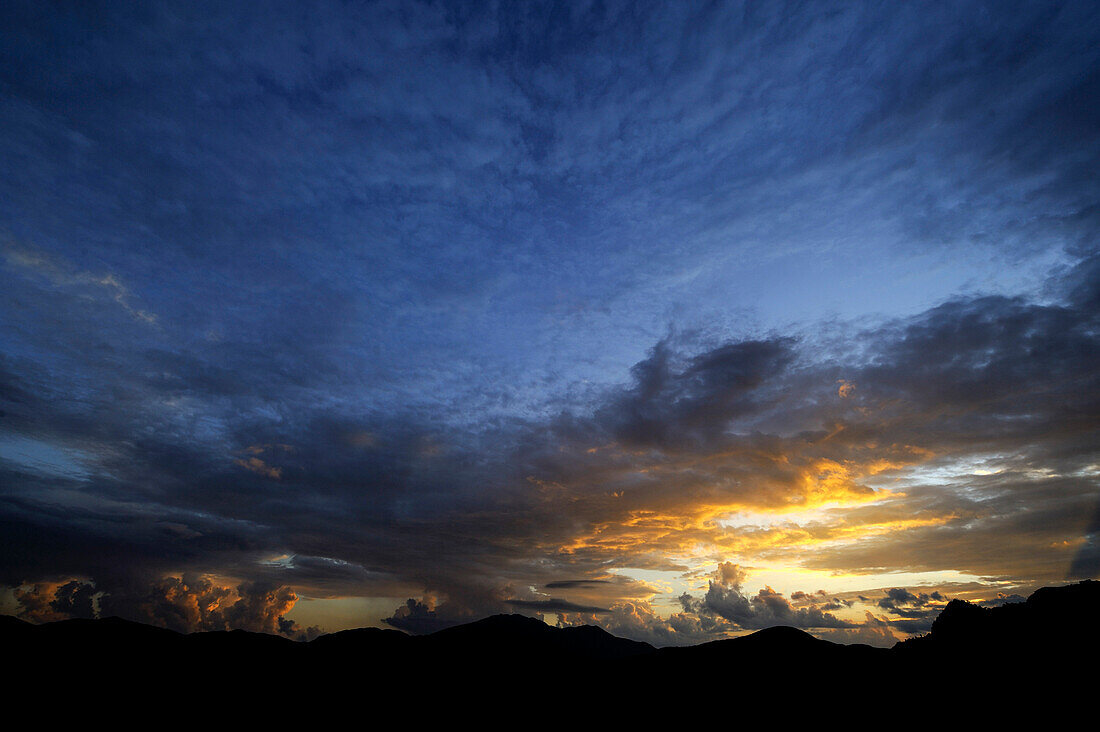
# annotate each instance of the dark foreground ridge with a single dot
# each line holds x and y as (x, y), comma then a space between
(1046, 647)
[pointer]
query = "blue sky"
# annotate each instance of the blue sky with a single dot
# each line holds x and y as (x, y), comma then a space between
(311, 280)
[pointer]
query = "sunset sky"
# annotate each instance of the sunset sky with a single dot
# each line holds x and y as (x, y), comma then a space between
(684, 319)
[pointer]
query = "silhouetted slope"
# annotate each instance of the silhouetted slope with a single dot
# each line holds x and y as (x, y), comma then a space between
(589, 641)
(1026, 655)
(12, 624)
(1053, 621)
(517, 637)
(362, 640)
(971, 653)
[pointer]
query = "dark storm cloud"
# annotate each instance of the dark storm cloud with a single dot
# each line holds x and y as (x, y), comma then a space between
(696, 401)
(554, 606)
(279, 304)
(570, 584)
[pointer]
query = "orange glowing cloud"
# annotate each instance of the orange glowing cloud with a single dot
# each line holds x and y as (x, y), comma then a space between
(258, 466)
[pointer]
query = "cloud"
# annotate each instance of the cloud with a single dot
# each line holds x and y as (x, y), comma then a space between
(507, 281)
(192, 603)
(555, 606)
(901, 601)
(571, 584)
(419, 618)
(680, 403)
(725, 598)
(256, 465)
(262, 607)
(734, 431)
(185, 604)
(63, 275)
(45, 602)
(639, 621)
(873, 631)
(1002, 599)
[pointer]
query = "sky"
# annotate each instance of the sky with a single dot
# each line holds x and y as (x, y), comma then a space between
(682, 319)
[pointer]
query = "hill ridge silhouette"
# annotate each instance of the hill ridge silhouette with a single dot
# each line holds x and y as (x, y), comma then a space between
(959, 619)
(1009, 649)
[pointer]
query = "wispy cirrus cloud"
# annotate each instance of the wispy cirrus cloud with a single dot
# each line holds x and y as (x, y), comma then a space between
(61, 275)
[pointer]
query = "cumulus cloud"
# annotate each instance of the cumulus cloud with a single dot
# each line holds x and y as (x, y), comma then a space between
(261, 608)
(419, 617)
(873, 631)
(185, 604)
(46, 602)
(639, 621)
(726, 599)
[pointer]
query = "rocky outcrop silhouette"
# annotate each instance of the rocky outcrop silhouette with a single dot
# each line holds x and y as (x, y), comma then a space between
(1053, 621)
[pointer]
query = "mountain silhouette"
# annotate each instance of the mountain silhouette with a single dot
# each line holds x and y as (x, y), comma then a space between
(1046, 646)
